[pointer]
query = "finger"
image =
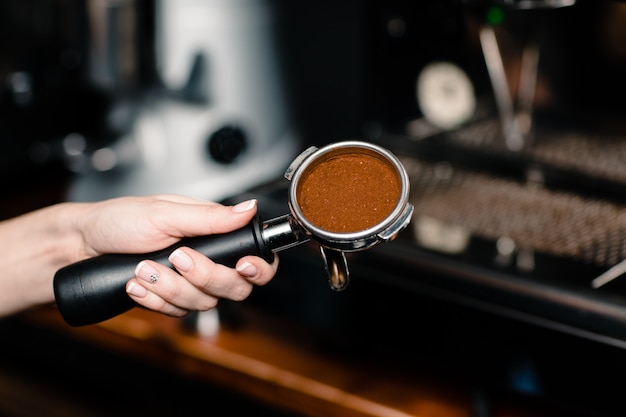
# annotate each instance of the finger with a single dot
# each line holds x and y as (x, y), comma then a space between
(174, 289)
(255, 270)
(183, 199)
(204, 219)
(208, 276)
(145, 298)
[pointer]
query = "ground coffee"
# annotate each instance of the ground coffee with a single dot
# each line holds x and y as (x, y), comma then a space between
(348, 193)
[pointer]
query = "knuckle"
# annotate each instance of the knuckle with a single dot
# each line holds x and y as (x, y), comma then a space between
(209, 303)
(171, 292)
(241, 292)
(207, 280)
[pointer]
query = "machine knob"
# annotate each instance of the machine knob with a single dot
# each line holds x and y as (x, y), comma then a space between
(226, 144)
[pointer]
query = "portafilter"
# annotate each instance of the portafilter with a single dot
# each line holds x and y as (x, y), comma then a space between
(347, 196)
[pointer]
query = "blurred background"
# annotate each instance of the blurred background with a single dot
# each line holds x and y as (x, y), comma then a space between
(507, 114)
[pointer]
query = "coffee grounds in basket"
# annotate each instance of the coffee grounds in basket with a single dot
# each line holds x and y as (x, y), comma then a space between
(349, 193)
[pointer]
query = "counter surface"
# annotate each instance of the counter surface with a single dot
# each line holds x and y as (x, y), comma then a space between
(288, 368)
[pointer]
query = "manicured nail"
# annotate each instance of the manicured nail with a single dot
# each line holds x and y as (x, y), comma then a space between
(247, 269)
(147, 272)
(244, 206)
(181, 260)
(136, 290)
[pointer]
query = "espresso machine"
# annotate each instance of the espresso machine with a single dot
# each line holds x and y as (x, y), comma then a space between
(508, 118)
(511, 127)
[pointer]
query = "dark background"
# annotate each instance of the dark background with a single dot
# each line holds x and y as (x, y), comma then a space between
(347, 76)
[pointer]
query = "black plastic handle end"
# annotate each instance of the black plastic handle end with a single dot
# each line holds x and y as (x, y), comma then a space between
(94, 290)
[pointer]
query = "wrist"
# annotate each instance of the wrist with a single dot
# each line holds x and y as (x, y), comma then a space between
(37, 244)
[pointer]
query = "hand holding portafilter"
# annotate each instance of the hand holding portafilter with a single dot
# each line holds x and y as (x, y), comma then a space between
(329, 189)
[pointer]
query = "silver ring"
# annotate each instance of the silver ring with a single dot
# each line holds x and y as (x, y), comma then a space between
(154, 278)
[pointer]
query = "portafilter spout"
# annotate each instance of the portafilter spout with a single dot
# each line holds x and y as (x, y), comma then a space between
(94, 290)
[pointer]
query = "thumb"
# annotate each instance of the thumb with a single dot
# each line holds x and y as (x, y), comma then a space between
(217, 218)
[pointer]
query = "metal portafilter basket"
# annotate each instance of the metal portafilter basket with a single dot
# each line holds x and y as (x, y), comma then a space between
(337, 198)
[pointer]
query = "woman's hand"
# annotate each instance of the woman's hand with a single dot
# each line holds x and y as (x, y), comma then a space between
(146, 224)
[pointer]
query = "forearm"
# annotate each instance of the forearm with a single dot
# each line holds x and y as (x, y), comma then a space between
(32, 248)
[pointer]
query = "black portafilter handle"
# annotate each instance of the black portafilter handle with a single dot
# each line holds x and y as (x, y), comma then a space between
(94, 290)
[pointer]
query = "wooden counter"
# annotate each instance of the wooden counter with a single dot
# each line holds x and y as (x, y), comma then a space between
(285, 367)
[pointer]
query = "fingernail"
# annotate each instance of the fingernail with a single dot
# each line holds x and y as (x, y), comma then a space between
(136, 290)
(181, 260)
(147, 272)
(247, 269)
(244, 206)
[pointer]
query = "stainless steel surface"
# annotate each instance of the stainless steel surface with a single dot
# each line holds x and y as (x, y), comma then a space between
(523, 4)
(608, 276)
(513, 136)
(113, 62)
(534, 217)
(337, 268)
(282, 233)
(595, 153)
